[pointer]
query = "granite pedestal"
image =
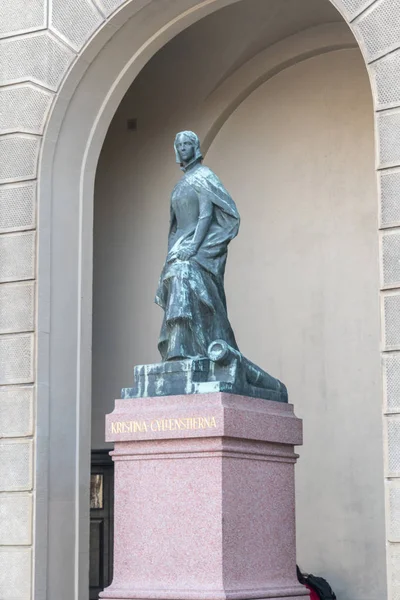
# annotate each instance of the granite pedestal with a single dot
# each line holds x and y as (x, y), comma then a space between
(204, 498)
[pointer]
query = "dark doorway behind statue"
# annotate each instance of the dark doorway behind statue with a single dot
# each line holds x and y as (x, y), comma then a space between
(101, 522)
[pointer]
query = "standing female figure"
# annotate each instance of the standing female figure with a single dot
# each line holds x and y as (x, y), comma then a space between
(204, 219)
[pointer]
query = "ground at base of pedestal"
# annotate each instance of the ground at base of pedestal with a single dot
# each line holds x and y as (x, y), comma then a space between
(297, 592)
(303, 597)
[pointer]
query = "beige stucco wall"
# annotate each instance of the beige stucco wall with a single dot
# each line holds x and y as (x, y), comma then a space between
(129, 244)
(302, 283)
(302, 276)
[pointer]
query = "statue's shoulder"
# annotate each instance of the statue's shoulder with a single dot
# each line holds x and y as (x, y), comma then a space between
(204, 175)
(206, 172)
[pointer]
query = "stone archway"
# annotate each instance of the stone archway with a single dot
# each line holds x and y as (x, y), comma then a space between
(64, 79)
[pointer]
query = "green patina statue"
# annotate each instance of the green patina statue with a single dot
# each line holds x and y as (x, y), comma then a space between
(197, 343)
(204, 219)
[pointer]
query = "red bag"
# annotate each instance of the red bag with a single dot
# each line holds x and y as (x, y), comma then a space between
(313, 593)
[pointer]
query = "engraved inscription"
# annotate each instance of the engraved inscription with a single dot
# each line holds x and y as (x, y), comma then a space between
(156, 425)
(129, 427)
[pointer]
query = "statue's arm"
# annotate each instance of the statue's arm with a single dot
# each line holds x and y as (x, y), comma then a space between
(204, 222)
(191, 248)
(172, 229)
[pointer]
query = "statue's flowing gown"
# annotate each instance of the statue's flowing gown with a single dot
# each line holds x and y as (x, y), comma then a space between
(191, 292)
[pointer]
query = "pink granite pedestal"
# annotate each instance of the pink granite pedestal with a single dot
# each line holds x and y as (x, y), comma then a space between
(204, 498)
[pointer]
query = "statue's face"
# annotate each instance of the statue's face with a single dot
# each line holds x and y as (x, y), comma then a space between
(185, 149)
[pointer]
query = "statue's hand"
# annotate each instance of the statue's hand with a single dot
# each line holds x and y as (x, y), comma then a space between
(187, 251)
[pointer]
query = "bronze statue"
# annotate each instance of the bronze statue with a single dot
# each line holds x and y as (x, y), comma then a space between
(204, 219)
(196, 343)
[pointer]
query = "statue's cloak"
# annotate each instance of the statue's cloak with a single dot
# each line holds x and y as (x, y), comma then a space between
(224, 226)
(192, 291)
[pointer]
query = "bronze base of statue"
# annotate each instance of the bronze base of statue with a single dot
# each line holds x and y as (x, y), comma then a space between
(223, 370)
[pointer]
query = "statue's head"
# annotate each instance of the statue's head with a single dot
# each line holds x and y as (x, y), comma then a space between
(187, 147)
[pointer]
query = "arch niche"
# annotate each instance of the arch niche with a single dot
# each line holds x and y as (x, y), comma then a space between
(82, 113)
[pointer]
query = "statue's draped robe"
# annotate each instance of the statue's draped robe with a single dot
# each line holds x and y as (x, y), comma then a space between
(191, 292)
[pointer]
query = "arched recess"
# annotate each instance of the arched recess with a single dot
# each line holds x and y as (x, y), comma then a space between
(76, 129)
(224, 100)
